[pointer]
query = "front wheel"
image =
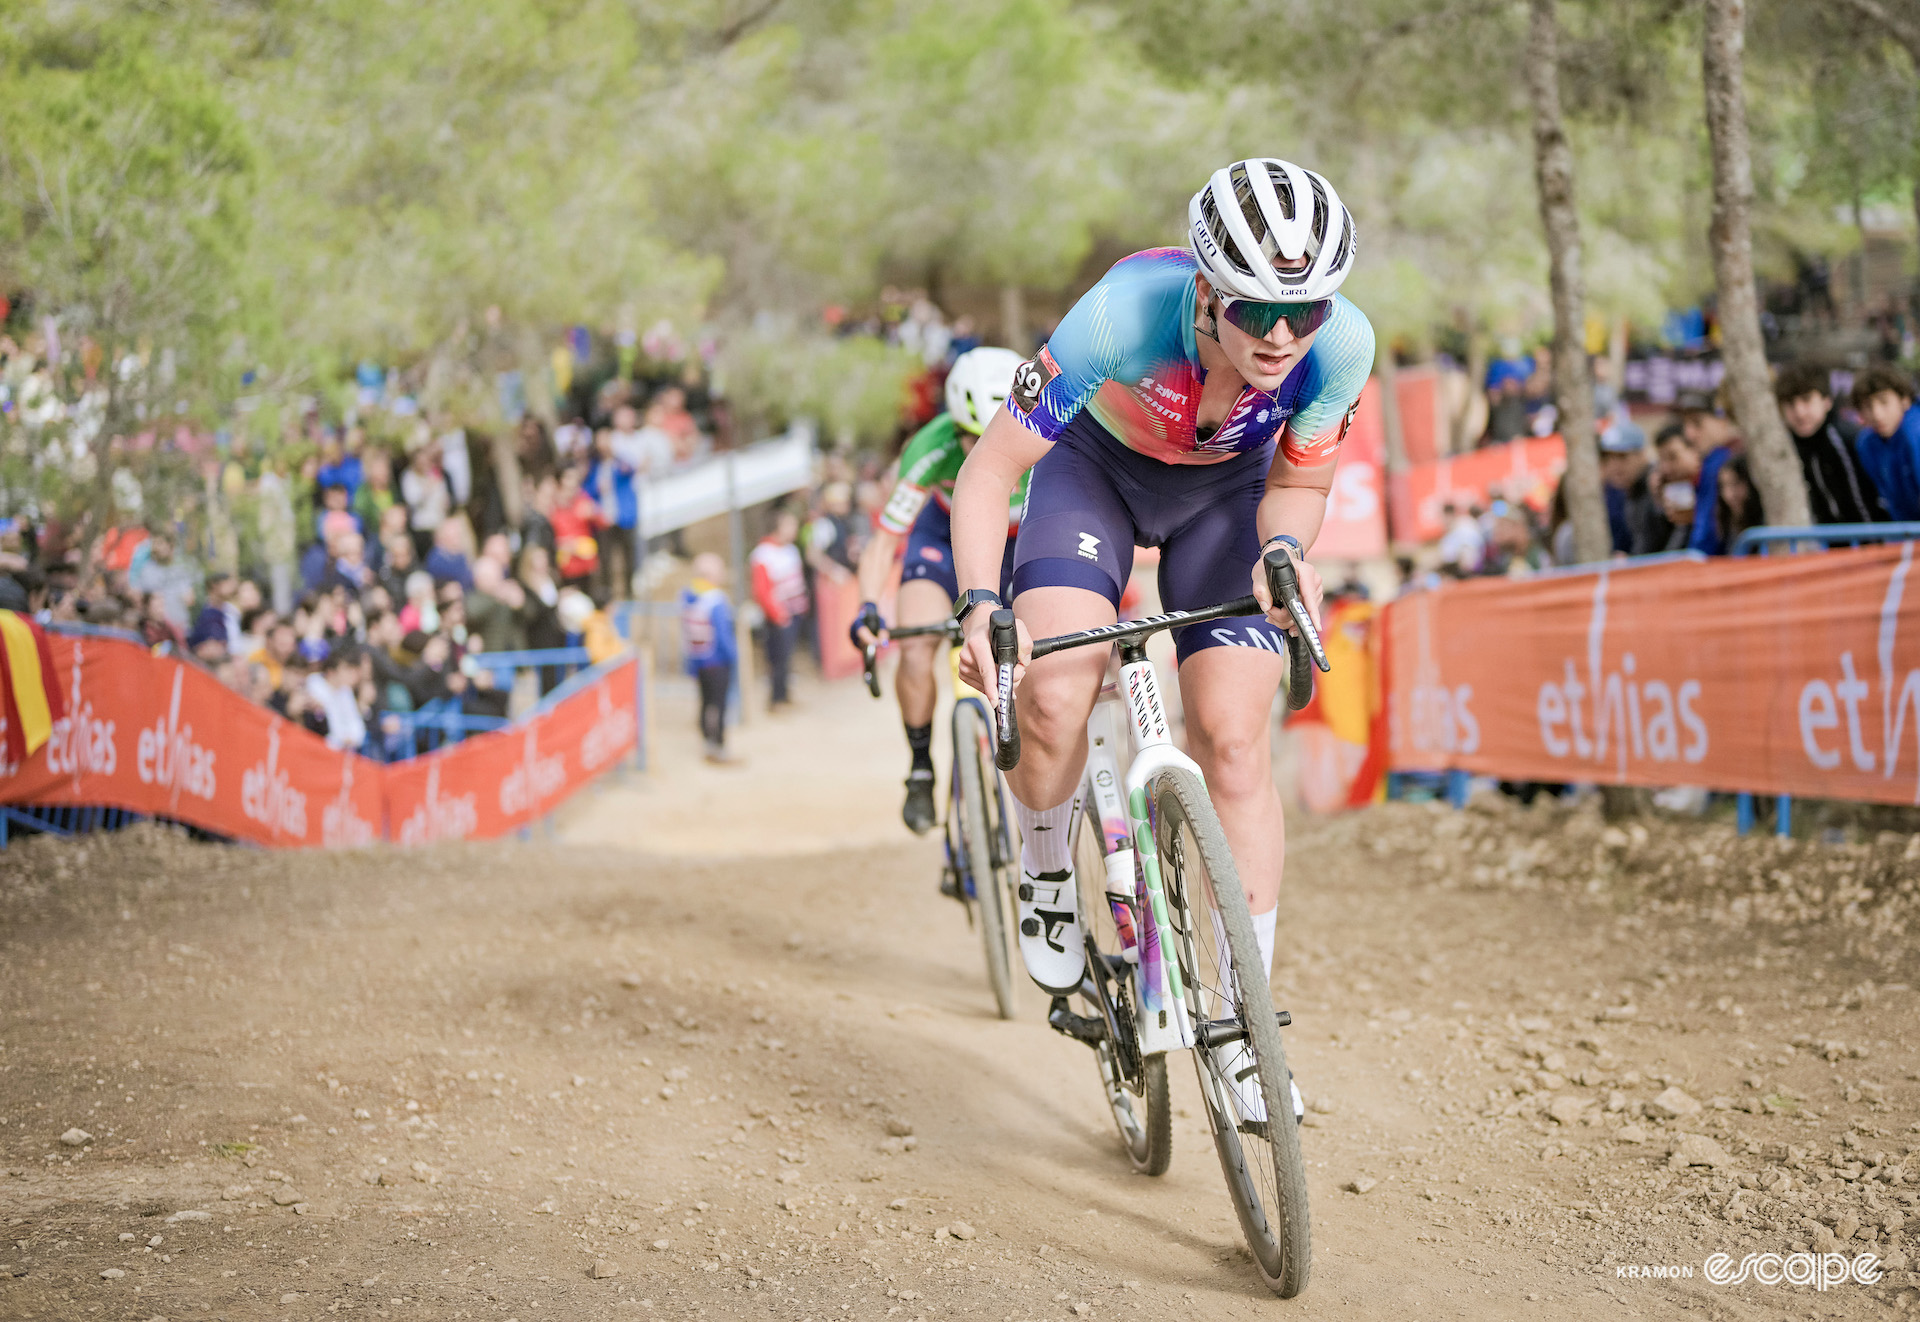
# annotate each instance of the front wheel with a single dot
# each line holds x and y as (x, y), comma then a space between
(985, 842)
(1231, 1005)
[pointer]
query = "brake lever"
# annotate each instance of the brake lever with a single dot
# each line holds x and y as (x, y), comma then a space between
(1283, 584)
(1004, 635)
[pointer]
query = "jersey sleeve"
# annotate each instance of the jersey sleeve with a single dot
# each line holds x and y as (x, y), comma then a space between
(1085, 351)
(1339, 363)
(929, 457)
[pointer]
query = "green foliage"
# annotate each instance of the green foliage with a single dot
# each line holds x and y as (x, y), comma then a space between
(203, 188)
(853, 388)
(125, 182)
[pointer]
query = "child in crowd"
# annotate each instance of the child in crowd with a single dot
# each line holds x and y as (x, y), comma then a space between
(707, 640)
(576, 520)
(1889, 439)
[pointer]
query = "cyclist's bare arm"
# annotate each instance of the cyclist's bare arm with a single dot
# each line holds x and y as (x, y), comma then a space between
(876, 562)
(1294, 503)
(980, 496)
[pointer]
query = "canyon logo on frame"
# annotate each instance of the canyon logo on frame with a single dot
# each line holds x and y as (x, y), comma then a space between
(1777, 675)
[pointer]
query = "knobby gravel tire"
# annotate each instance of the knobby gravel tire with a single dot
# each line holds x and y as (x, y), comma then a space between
(979, 824)
(1277, 1225)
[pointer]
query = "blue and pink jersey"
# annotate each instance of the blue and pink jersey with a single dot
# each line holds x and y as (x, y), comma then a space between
(1126, 354)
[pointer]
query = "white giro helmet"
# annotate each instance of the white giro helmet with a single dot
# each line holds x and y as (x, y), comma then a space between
(978, 384)
(1259, 211)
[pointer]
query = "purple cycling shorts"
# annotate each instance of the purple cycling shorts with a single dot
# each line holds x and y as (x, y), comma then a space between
(1091, 500)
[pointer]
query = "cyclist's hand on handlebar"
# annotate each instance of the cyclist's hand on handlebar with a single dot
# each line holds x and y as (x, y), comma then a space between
(1311, 593)
(869, 629)
(976, 654)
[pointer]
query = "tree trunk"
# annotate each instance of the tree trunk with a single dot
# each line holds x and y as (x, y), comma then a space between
(1471, 424)
(1617, 345)
(1013, 319)
(1388, 373)
(1572, 383)
(1770, 452)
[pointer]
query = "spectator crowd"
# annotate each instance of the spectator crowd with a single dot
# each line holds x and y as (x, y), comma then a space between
(1690, 487)
(382, 566)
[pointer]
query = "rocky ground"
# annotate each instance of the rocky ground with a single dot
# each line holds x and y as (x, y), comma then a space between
(627, 1073)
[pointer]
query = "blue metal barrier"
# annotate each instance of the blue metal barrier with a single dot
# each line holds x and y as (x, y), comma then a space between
(1755, 541)
(1761, 541)
(537, 659)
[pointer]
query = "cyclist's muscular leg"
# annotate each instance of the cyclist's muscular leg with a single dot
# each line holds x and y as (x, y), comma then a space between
(921, 602)
(1056, 696)
(1227, 694)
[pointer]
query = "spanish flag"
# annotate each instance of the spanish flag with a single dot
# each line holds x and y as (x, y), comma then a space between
(30, 699)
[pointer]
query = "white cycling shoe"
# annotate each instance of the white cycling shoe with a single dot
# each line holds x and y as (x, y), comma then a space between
(1235, 1064)
(1051, 942)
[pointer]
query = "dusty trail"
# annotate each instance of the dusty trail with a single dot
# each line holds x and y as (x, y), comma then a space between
(660, 1066)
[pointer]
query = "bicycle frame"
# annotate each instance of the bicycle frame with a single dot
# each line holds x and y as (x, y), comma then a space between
(1133, 884)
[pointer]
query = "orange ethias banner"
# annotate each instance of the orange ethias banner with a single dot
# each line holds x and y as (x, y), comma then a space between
(1525, 470)
(156, 736)
(501, 781)
(1778, 675)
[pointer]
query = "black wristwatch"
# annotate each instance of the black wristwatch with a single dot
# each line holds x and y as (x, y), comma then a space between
(973, 597)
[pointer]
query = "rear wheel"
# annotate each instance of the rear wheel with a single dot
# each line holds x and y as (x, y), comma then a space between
(986, 844)
(1261, 1159)
(1135, 1086)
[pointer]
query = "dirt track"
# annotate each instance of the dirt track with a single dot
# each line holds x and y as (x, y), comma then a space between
(681, 1042)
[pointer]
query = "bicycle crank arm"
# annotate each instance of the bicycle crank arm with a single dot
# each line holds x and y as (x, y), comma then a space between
(1219, 1032)
(1076, 1026)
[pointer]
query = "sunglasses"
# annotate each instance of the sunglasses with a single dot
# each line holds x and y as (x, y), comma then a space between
(1258, 319)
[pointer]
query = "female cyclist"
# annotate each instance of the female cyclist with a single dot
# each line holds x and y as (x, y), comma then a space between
(1193, 400)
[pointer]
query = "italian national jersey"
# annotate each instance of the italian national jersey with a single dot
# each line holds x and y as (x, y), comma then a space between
(928, 467)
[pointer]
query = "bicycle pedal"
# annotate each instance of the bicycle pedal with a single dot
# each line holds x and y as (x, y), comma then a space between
(1076, 1026)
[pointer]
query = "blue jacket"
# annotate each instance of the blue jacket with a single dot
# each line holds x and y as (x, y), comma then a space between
(706, 627)
(611, 483)
(347, 473)
(449, 566)
(1705, 536)
(1894, 465)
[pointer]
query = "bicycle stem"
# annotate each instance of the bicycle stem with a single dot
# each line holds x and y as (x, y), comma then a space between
(870, 654)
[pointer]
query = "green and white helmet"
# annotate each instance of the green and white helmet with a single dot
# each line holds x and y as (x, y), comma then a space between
(978, 384)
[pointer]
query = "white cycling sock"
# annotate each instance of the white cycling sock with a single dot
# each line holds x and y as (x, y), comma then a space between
(1264, 926)
(1044, 835)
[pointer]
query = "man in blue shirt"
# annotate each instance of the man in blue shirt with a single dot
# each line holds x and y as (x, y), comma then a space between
(1888, 443)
